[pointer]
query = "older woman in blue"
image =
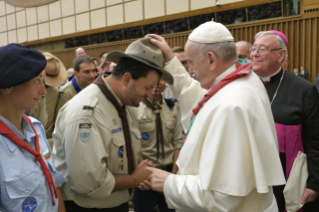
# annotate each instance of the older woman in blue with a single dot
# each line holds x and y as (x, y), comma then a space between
(28, 178)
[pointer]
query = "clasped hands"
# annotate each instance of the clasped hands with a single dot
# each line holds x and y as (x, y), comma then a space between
(147, 177)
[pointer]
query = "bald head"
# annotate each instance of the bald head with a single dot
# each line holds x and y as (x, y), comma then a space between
(79, 52)
(242, 48)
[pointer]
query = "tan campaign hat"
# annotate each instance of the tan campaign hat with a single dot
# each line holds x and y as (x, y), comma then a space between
(144, 51)
(55, 70)
(211, 32)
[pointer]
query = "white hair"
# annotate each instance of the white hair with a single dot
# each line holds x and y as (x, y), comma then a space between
(280, 41)
(225, 50)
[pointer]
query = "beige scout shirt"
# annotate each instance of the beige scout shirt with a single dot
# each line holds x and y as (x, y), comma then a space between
(51, 101)
(89, 147)
(40, 112)
(66, 93)
(172, 133)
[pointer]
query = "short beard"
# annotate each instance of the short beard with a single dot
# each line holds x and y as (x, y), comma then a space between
(130, 93)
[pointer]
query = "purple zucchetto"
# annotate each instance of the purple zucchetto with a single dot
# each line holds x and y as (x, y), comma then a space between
(282, 36)
(19, 64)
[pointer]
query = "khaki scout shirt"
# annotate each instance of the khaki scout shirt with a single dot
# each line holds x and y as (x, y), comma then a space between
(51, 101)
(66, 92)
(40, 112)
(89, 147)
(172, 133)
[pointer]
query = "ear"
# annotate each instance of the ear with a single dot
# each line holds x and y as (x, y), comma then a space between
(75, 73)
(127, 79)
(212, 60)
(6, 90)
(282, 55)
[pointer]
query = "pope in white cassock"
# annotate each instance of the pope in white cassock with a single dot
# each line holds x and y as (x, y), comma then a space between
(230, 158)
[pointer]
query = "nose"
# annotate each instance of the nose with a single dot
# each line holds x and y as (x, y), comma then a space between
(43, 90)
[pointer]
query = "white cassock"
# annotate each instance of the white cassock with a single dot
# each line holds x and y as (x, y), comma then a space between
(230, 159)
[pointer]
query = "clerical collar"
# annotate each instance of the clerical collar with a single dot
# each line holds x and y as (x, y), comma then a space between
(267, 79)
(223, 75)
(75, 85)
(302, 72)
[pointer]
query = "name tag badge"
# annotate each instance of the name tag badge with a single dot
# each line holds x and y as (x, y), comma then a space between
(85, 125)
(117, 130)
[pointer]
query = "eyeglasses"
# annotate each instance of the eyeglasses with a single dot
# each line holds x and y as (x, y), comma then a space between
(261, 50)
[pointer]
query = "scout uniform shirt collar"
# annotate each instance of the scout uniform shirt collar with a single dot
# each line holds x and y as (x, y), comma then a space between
(27, 130)
(110, 88)
(75, 85)
(223, 75)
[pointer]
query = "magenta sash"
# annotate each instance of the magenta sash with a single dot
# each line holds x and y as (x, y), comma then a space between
(290, 143)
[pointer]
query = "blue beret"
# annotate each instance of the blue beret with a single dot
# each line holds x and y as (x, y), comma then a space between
(19, 64)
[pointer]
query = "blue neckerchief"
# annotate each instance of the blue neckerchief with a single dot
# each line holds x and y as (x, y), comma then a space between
(75, 85)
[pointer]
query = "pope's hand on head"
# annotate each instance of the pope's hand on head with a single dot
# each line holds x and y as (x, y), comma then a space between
(158, 178)
(162, 44)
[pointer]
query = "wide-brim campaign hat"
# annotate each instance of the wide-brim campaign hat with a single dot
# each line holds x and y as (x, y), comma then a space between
(144, 51)
(55, 70)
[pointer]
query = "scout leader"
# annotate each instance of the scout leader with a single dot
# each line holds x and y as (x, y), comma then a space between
(96, 139)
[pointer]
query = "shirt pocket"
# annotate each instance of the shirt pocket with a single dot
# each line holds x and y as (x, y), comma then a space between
(27, 192)
(168, 131)
(147, 133)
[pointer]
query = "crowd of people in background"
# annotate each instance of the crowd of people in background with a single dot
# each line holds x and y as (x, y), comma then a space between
(214, 126)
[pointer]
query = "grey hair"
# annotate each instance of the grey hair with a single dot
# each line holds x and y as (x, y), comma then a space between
(79, 49)
(280, 41)
(225, 50)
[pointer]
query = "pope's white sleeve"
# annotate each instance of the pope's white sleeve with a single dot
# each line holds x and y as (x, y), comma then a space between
(87, 160)
(186, 90)
(184, 192)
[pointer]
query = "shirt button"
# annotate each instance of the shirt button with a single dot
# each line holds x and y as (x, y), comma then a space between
(27, 191)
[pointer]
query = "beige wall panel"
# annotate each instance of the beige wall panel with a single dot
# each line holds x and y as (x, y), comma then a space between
(11, 21)
(154, 8)
(112, 2)
(31, 16)
(3, 24)
(3, 39)
(44, 30)
(68, 25)
(10, 8)
(33, 33)
(98, 19)
(81, 6)
(2, 8)
(95, 4)
(133, 11)
(43, 13)
(21, 22)
(128, 0)
(222, 2)
(83, 22)
(19, 9)
(114, 15)
(67, 7)
(55, 10)
(22, 35)
(12, 36)
(199, 4)
(55, 28)
(176, 6)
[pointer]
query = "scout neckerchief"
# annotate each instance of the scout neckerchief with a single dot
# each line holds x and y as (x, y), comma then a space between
(242, 70)
(75, 85)
(6, 131)
(122, 113)
(157, 108)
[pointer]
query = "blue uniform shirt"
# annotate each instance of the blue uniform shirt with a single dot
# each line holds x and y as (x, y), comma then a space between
(23, 186)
